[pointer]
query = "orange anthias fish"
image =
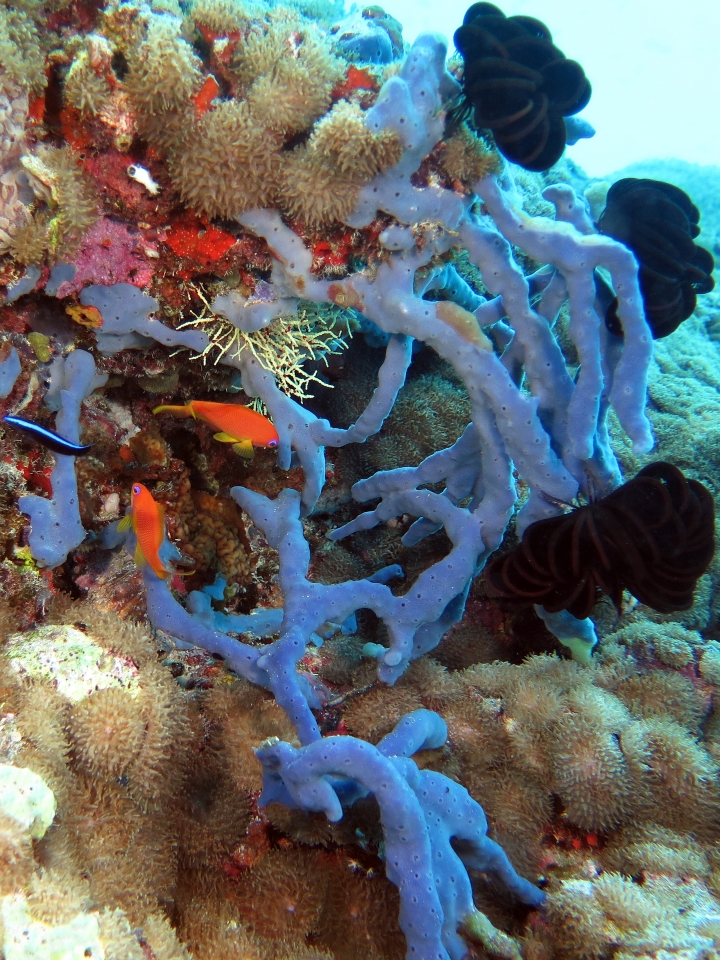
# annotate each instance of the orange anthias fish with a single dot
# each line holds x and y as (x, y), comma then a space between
(241, 426)
(147, 519)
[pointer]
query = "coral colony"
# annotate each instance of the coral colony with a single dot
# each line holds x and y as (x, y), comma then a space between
(209, 213)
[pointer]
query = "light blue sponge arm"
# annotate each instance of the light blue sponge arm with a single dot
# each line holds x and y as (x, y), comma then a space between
(391, 378)
(9, 372)
(55, 527)
(165, 613)
(419, 730)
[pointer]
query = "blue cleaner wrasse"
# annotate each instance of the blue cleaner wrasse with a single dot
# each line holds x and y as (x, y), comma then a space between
(53, 441)
(236, 424)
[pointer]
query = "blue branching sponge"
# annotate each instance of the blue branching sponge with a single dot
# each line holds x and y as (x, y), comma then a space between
(9, 372)
(55, 522)
(421, 812)
(127, 321)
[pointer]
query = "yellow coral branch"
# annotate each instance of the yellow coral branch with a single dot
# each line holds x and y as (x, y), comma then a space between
(282, 348)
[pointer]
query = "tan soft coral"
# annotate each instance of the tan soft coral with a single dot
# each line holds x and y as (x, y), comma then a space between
(285, 73)
(545, 727)
(107, 731)
(109, 835)
(313, 192)
(219, 17)
(245, 716)
(680, 780)
(114, 759)
(16, 862)
(286, 70)
(296, 91)
(321, 181)
(590, 774)
(87, 85)
(372, 715)
(647, 848)
(163, 74)
(56, 897)
(13, 115)
(360, 917)
(518, 809)
(466, 157)
(226, 163)
(664, 693)
(343, 140)
(213, 931)
(21, 53)
(155, 770)
(281, 897)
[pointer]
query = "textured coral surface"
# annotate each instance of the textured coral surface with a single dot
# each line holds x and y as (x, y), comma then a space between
(252, 203)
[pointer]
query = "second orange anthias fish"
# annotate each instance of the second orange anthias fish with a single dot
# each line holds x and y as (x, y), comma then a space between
(147, 519)
(236, 424)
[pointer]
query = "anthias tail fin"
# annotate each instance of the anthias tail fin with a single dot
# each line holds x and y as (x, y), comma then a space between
(244, 449)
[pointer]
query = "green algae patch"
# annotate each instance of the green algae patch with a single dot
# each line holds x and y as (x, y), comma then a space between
(28, 939)
(26, 797)
(74, 663)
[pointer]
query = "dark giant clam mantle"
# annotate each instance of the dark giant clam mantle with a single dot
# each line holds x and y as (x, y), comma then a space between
(653, 536)
(659, 222)
(518, 85)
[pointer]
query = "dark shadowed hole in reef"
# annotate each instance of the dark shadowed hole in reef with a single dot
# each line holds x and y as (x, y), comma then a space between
(119, 65)
(54, 101)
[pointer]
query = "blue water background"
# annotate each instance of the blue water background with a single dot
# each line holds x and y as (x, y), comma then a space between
(654, 66)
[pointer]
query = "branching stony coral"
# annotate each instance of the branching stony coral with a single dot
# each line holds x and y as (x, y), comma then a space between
(283, 347)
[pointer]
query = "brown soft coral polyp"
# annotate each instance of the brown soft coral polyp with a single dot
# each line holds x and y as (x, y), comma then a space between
(107, 731)
(282, 897)
(231, 140)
